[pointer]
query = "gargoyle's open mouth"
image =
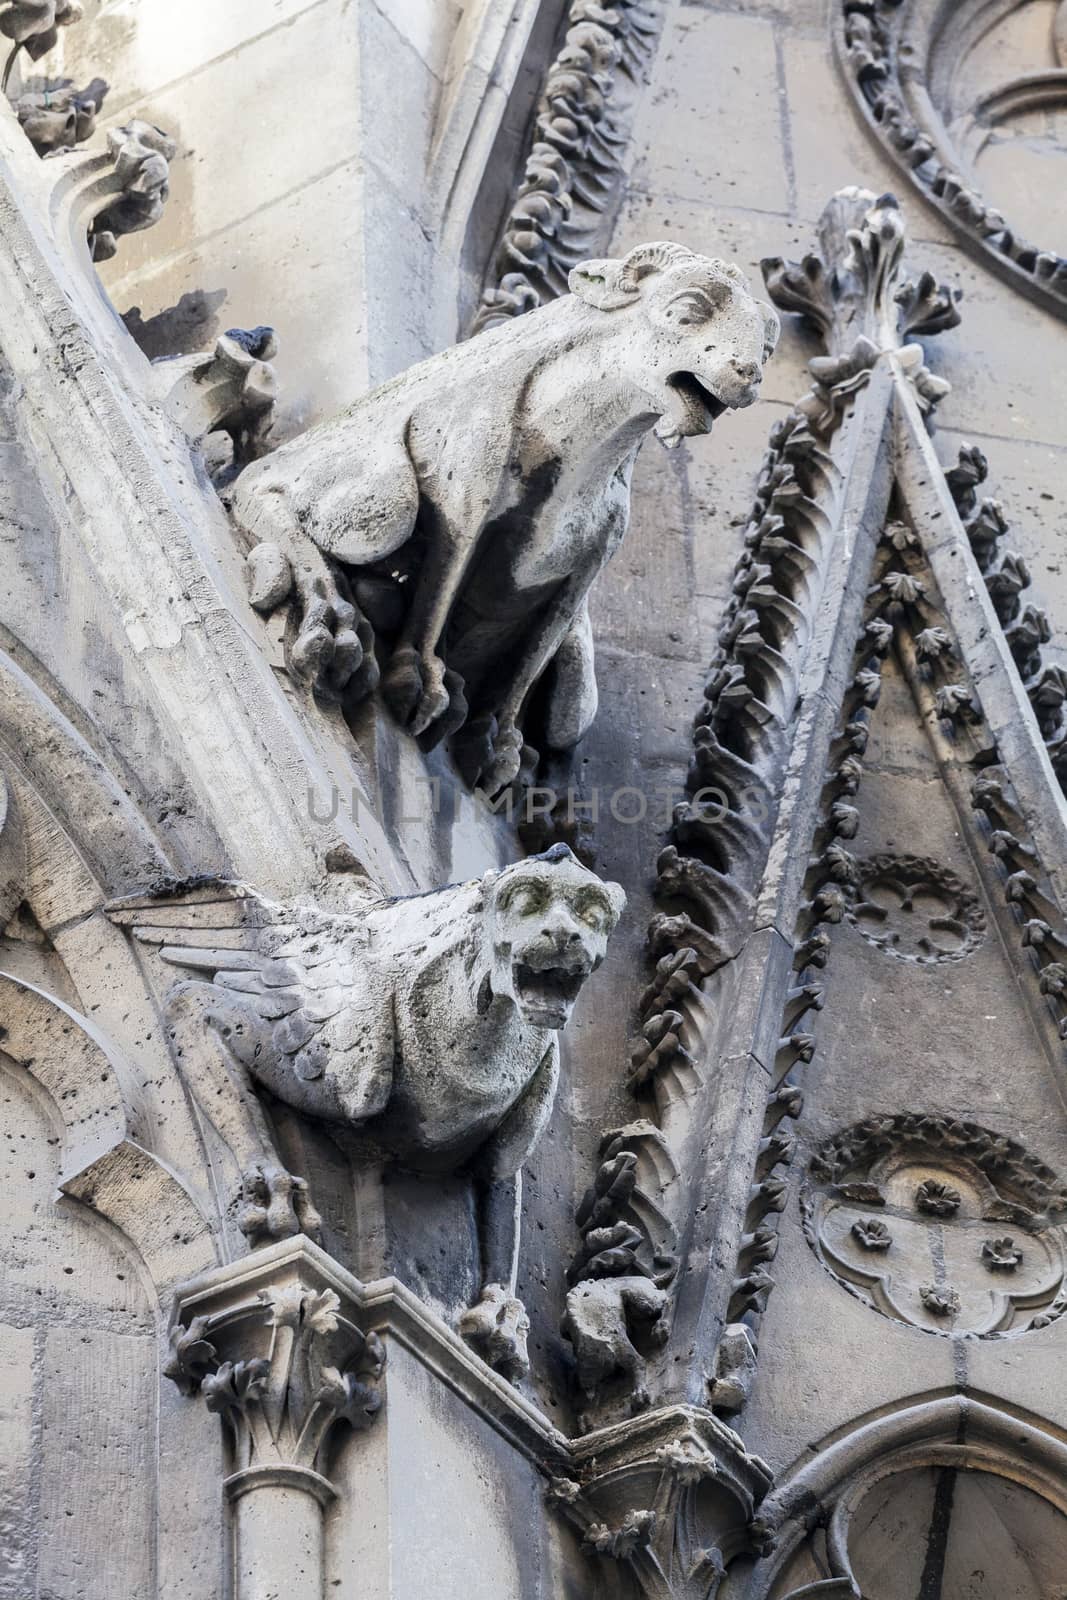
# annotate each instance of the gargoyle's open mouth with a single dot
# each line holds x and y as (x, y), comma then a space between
(546, 994)
(699, 408)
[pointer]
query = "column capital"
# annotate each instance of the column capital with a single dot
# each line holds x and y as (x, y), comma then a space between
(274, 1344)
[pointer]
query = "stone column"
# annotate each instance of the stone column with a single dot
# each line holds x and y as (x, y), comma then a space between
(273, 1345)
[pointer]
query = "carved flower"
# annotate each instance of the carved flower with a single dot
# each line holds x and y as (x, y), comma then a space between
(940, 1302)
(880, 634)
(937, 1199)
(829, 903)
(1036, 932)
(851, 769)
(899, 535)
(872, 1233)
(1052, 979)
(235, 1385)
(192, 1356)
(902, 587)
(845, 819)
(688, 1461)
(933, 642)
(953, 699)
(1001, 1255)
(637, 1528)
(869, 684)
(840, 863)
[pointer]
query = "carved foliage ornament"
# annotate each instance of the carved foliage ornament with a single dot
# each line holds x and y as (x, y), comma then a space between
(939, 1223)
(575, 158)
(902, 62)
(314, 1369)
(57, 119)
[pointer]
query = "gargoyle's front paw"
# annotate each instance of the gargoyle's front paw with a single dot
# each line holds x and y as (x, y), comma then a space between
(414, 688)
(275, 1205)
(332, 638)
(506, 762)
(497, 1327)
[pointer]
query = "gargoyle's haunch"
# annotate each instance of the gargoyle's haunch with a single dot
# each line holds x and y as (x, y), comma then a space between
(424, 1028)
(474, 499)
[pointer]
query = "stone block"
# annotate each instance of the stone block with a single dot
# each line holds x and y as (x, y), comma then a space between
(17, 1532)
(830, 147)
(141, 51)
(715, 74)
(226, 169)
(98, 1432)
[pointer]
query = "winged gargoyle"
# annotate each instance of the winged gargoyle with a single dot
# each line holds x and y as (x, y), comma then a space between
(425, 1027)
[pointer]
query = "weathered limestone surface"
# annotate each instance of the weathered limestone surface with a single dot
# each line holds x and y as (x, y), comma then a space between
(796, 1165)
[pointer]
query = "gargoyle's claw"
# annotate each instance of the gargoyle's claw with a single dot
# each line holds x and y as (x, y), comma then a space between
(275, 1205)
(347, 657)
(414, 689)
(312, 652)
(506, 763)
(429, 709)
(402, 683)
(497, 1327)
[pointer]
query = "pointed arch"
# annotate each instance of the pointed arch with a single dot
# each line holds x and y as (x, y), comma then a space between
(104, 1165)
(959, 1429)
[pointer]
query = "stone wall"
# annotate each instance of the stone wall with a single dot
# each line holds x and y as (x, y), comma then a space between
(342, 173)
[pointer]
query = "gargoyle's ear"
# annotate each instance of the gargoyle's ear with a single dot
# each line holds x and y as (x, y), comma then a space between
(599, 284)
(617, 895)
(772, 327)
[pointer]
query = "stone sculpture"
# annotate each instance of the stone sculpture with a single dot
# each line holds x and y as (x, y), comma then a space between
(33, 26)
(58, 119)
(425, 1029)
(142, 154)
(474, 499)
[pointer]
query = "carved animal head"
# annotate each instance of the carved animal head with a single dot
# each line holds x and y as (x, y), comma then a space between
(548, 921)
(58, 119)
(696, 338)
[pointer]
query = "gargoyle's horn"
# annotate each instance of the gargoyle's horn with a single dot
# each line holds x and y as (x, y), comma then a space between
(610, 284)
(644, 259)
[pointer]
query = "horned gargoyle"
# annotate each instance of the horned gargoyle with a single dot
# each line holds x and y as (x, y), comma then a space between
(471, 502)
(426, 1028)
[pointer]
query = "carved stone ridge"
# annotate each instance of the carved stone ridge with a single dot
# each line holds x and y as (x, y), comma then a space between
(99, 195)
(852, 289)
(574, 163)
(230, 389)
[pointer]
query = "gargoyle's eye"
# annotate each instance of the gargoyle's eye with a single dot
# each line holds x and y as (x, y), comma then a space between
(690, 309)
(526, 899)
(593, 914)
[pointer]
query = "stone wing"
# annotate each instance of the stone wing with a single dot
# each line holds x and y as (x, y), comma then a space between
(291, 968)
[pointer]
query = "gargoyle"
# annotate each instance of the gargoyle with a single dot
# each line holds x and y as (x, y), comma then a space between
(471, 502)
(426, 1028)
(58, 119)
(142, 154)
(34, 27)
